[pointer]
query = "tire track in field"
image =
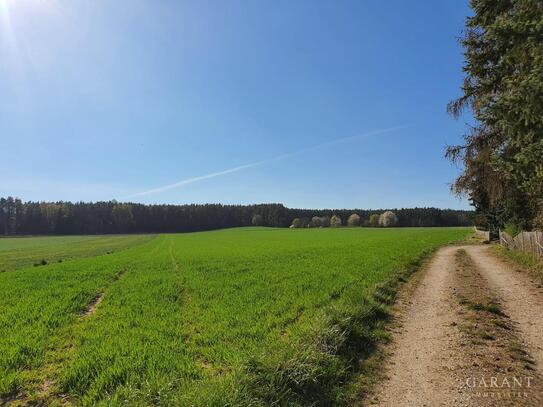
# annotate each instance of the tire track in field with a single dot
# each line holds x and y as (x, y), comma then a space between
(46, 392)
(200, 361)
(92, 306)
(175, 265)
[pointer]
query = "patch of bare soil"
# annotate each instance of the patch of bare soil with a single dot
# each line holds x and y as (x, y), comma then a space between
(92, 306)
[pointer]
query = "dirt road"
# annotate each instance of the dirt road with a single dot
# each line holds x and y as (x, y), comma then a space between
(522, 297)
(470, 333)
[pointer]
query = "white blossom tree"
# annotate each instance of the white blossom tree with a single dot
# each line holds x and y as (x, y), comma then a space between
(388, 219)
(354, 220)
(335, 221)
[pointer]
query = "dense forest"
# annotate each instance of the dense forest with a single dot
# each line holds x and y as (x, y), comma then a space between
(65, 218)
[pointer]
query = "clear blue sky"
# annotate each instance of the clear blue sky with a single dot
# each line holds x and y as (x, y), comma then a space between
(112, 99)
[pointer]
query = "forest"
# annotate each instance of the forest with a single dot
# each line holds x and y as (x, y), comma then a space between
(67, 218)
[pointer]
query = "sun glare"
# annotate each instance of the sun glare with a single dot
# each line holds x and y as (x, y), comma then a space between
(14, 12)
(6, 30)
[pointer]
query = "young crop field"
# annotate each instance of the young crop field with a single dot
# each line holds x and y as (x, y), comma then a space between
(19, 252)
(249, 316)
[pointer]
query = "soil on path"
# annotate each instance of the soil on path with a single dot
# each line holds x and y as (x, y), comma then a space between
(470, 333)
(424, 355)
(521, 293)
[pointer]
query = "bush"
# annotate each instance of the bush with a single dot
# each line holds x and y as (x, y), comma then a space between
(296, 223)
(316, 221)
(335, 221)
(354, 220)
(325, 221)
(512, 229)
(374, 220)
(388, 219)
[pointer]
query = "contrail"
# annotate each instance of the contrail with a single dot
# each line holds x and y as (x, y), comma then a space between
(192, 180)
(257, 163)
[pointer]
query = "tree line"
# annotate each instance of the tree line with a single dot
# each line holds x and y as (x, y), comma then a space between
(67, 218)
(405, 217)
(502, 153)
(385, 220)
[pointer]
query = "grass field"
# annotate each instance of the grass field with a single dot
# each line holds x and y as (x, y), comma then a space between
(27, 251)
(250, 316)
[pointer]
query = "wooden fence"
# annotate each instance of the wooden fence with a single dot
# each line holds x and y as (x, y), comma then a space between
(485, 234)
(531, 242)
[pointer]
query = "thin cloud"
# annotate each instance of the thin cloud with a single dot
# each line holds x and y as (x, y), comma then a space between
(258, 163)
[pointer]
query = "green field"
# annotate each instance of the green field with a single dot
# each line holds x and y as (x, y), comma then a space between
(27, 251)
(250, 316)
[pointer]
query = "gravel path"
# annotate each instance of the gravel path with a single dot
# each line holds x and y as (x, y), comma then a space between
(522, 297)
(439, 340)
(424, 355)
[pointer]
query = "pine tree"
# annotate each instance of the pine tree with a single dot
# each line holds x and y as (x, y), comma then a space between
(503, 153)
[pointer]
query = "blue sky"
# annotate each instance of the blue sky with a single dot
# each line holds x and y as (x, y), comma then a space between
(280, 101)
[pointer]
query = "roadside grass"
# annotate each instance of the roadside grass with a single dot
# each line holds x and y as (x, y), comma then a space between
(251, 316)
(20, 252)
(529, 261)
